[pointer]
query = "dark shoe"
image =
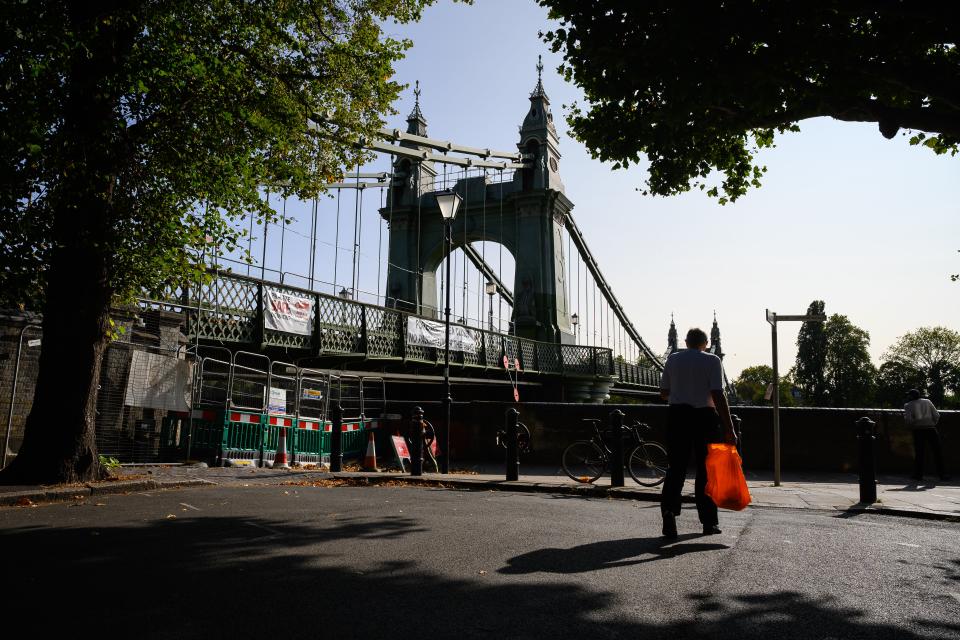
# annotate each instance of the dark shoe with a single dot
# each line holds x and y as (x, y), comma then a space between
(712, 530)
(669, 526)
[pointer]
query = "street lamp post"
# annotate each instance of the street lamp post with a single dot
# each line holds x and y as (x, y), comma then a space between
(344, 294)
(773, 319)
(575, 321)
(491, 289)
(448, 202)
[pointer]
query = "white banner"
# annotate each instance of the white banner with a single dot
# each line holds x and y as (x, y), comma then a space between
(288, 312)
(158, 381)
(277, 404)
(428, 333)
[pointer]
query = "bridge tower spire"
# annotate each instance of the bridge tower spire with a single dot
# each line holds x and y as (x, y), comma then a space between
(672, 344)
(715, 347)
(539, 139)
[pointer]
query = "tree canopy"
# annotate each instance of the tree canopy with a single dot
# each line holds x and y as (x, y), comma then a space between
(192, 108)
(702, 86)
(932, 355)
(811, 358)
(751, 386)
(833, 367)
(131, 131)
(848, 372)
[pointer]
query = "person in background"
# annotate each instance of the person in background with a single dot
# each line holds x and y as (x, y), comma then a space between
(692, 383)
(921, 417)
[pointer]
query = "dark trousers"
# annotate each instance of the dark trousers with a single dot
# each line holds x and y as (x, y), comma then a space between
(689, 428)
(922, 438)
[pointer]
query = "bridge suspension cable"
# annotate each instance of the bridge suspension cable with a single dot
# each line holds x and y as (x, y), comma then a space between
(605, 290)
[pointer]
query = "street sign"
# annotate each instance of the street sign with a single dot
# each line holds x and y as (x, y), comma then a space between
(400, 450)
(33, 343)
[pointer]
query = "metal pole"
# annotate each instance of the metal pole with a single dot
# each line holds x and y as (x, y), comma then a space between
(490, 315)
(448, 399)
(776, 405)
(868, 461)
(336, 436)
(13, 392)
(513, 451)
(416, 456)
(616, 463)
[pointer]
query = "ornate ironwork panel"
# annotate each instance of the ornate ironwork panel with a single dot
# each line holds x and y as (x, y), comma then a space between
(339, 325)
(528, 355)
(511, 347)
(577, 359)
(604, 361)
(228, 310)
(494, 349)
(474, 359)
(384, 333)
(548, 358)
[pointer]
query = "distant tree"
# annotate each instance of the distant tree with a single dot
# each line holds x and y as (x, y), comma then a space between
(849, 375)
(751, 386)
(933, 355)
(894, 379)
(702, 86)
(810, 368)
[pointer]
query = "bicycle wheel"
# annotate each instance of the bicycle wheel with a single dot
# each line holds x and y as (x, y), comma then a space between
(648, 464)
(583, 461)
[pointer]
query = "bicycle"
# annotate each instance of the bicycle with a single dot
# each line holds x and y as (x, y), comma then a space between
(587, 460)
(524, 439)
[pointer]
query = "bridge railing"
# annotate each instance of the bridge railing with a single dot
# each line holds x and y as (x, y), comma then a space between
(229, 310)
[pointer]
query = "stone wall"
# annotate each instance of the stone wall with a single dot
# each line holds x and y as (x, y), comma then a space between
(812, 439)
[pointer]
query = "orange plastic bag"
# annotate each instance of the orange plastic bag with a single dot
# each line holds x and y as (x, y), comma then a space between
(726, 485)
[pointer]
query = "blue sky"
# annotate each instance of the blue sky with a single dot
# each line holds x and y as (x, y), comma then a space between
(867, 224)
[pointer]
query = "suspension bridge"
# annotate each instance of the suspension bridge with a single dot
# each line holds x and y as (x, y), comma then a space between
(529, 300)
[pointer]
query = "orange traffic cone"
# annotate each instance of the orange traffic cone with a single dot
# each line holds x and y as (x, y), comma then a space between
(280, 457)
(370, 459)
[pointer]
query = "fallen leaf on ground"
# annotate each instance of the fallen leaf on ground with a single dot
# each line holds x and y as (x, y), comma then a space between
(170, 516)
(482, 572)
(25, 502)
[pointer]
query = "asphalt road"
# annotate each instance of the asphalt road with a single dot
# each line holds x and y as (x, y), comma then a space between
(394, 562)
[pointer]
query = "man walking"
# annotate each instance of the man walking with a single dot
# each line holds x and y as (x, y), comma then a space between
(922, 417)
(692, 383)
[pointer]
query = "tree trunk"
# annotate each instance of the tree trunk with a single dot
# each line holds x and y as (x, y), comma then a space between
(59, 439)
(59, 444)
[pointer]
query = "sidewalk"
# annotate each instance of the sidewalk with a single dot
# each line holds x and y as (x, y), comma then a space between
(835, 492)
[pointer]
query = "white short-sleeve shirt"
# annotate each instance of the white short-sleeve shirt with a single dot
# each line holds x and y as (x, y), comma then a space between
(691, 375)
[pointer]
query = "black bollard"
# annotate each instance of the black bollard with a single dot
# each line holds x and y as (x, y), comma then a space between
(513, 451)
(616, 463)
(416, 456)
(738, 433)
(868, 464)
(336, 437)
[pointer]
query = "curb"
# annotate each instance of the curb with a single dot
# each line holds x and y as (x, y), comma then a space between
(79, 492)
(621, 493)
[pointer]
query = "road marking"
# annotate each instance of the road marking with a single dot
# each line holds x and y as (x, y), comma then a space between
(189, 506)
(907, 544)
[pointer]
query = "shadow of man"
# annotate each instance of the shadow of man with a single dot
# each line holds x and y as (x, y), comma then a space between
(605, 554)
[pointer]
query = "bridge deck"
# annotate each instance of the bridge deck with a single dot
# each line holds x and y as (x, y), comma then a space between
(229, 310)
